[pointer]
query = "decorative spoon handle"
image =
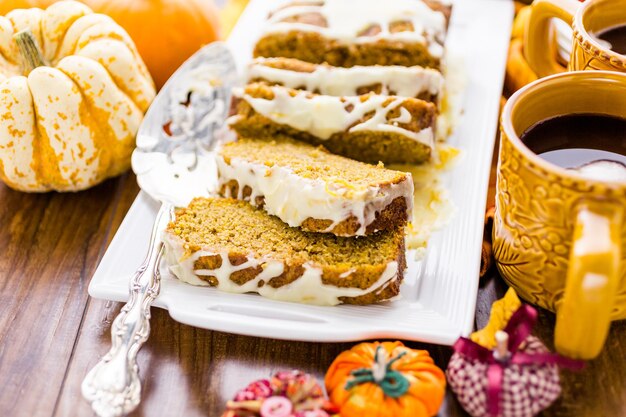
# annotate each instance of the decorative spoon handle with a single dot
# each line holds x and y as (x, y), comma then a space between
(112, 386)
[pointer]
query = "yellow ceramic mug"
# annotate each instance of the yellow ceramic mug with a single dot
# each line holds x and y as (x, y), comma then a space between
(560, 238)
(587, 18)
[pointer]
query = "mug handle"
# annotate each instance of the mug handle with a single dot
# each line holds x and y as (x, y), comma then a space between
(539, 43)
(584, 316)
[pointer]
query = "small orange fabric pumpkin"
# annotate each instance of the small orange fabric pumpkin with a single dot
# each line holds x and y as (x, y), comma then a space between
(166, 32)
(385, 380)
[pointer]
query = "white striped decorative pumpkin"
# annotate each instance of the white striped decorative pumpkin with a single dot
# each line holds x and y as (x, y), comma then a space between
(73, 91)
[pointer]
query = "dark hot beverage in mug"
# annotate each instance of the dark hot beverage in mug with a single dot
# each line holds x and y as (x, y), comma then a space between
(593, 144)
(615, 38)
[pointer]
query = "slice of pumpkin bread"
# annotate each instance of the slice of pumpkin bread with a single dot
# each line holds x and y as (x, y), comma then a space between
(418, 82)
(231, 245)
(365, 32)
(308, 187)
(368, 128)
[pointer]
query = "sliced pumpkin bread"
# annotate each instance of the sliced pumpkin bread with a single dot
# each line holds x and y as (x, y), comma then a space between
(365, 32)
(418, 82)
(236, 247)
(308, 187)
(368, 128)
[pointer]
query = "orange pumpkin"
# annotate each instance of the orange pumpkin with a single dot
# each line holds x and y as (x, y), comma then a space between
(166, 32)
(385, 380)
(7, 5)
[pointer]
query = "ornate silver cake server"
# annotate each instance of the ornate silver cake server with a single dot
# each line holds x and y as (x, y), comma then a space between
(173, 162)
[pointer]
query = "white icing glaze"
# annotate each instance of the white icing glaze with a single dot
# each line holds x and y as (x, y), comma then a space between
(347, 273)
(334, 81)
(323, 116)
(347, 19)
(293, 198)
(405, 116)
(308, 288)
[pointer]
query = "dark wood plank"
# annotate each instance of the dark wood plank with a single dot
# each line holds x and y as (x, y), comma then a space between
(193, 372)
(50, 245)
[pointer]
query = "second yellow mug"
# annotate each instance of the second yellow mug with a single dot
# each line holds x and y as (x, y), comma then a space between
(586, 20)
(559, 237)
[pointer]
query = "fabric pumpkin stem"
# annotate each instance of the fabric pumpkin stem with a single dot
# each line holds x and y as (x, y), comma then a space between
(393, 383)
(29, 50)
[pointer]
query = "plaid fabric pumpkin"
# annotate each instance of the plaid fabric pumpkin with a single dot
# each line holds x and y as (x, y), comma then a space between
(526, 389)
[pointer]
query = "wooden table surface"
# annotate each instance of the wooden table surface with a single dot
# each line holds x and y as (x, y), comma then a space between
(52, 333)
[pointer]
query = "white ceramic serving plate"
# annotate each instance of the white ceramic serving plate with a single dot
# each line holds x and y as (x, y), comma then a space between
(439, 293)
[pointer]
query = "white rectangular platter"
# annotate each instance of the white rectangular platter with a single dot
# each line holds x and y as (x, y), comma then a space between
(439, 293)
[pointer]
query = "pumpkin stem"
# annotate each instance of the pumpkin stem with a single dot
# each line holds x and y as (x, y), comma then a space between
(392, 383)
(501, 352)
(29, 50)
